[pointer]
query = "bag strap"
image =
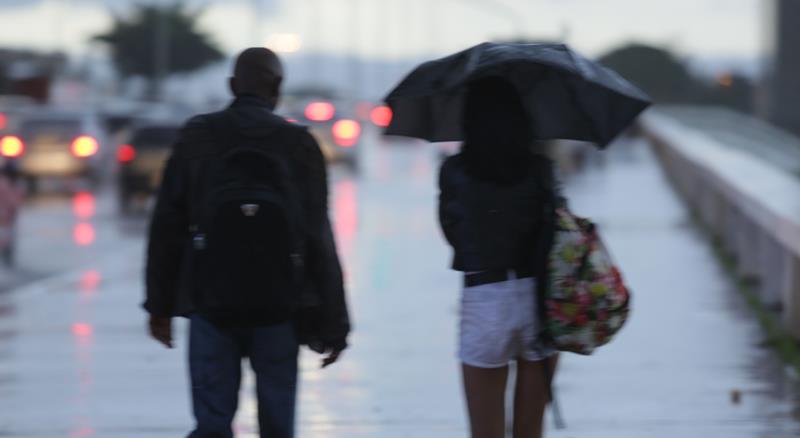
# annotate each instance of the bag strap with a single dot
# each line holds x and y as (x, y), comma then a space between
(558, 419)
(547, 229)
(223, 137)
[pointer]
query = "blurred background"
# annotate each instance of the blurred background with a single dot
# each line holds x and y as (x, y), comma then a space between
(699, 202)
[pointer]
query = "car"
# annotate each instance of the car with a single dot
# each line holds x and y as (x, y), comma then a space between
(120, 115)
(332, 123)
(10, 201)
(56, 144)
(141, 160)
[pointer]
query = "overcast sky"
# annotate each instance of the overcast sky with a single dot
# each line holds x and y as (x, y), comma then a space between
(414, 28)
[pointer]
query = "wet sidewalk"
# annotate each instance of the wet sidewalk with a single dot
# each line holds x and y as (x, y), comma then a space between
(75, 360)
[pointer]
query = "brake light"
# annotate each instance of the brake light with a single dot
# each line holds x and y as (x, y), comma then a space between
(11, 146)
(126, 153)
(84, 146)
(346, 132)
(320, 111)
(381, 116)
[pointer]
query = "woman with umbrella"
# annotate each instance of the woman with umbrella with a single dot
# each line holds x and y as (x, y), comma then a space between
(499, 196)
(493, 204)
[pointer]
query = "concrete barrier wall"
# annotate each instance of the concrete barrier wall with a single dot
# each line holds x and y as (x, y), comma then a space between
(751, 206)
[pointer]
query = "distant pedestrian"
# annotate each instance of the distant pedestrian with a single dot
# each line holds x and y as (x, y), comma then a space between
(240, 242)
(10, 203)
(10, 194)
(495, 201)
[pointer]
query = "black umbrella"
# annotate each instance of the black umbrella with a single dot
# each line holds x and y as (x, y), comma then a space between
(567, 96)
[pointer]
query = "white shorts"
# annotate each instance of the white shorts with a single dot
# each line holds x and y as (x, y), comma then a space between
(499, 324)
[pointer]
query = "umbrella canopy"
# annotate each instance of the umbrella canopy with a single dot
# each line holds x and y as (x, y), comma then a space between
(566, 95)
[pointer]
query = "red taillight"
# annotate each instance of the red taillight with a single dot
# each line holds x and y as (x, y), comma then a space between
(11, 146)
(346, 132)
(381, 116)
(126, 153)
(3, 121)
(320, 111)
(84, 146)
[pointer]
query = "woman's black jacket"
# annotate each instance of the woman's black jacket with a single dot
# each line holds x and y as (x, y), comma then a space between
(498, 226)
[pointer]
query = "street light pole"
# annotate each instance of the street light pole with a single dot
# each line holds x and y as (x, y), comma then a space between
(162, 49)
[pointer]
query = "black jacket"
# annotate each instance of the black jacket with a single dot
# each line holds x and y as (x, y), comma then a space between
(496, 226)
(168, 274)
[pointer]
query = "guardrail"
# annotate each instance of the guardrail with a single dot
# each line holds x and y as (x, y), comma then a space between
(752, 206)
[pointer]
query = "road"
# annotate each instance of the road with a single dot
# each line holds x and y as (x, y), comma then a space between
(75, 360)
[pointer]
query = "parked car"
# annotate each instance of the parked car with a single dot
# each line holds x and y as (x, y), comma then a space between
(331, 121)
(56, 144)
(141, 160)
(10, 201)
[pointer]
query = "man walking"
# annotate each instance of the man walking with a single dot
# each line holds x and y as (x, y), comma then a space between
(240, 243)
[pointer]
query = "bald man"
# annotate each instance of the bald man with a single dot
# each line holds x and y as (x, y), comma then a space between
(265, 313)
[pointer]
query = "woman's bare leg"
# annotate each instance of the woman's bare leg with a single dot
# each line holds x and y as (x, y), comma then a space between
(485, 392)
(530, 397)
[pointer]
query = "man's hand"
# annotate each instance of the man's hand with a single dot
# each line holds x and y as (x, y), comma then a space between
(161, 330)
(333, 356)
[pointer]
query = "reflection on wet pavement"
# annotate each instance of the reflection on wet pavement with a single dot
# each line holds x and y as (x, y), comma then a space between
(74, 349)
(83, 205)
(345, 214)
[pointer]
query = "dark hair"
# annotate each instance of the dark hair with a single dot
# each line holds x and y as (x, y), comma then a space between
(497, 133)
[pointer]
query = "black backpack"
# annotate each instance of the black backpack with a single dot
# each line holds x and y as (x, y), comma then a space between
(247, 240)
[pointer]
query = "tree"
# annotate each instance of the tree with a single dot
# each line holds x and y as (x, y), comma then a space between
(159, 41)
(656, 71)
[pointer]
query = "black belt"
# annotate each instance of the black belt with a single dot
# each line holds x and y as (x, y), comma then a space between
(495, 276)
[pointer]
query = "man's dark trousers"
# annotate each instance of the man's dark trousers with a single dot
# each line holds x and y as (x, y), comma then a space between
(215, 360)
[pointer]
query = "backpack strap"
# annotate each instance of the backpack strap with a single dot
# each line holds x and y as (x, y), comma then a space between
(220, 130)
